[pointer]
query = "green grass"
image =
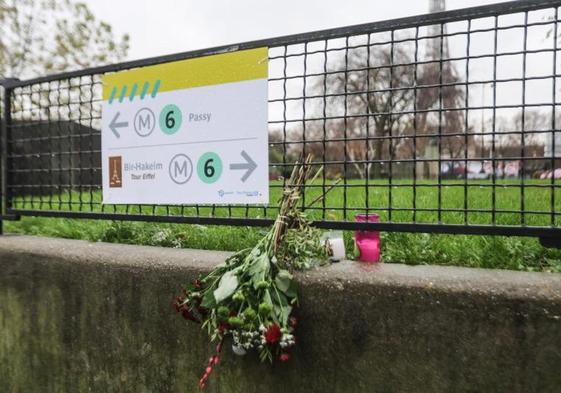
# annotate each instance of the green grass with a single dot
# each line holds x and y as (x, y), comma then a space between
(474, 251)
(508, 198)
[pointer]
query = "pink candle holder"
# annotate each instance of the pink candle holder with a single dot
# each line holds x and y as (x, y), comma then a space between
(368, 242)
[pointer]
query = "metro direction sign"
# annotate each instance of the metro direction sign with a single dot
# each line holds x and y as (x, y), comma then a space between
(190, 131)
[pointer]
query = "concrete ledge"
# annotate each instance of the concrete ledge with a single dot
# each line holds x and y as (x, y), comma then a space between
(78, 316)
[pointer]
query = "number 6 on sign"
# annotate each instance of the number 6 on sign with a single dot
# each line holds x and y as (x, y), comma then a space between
(209, 167)
(170, 119)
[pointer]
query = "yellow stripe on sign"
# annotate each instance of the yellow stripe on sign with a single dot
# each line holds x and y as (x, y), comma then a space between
(203, 71)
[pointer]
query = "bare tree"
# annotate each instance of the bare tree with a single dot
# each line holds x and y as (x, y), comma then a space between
(369, 105)
(45, 36)
(381, 103)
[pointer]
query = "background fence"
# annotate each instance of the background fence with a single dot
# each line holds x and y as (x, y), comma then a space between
(444, 123)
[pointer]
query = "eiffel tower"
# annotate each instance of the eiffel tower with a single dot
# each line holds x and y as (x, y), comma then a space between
(434, 31)
(435, 73)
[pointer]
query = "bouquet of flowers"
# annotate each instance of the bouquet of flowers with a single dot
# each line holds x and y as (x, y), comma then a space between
(251, 296)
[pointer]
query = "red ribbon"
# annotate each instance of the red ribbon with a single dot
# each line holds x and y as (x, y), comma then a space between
(212, 362)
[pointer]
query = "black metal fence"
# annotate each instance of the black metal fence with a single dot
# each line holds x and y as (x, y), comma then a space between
(441, 123)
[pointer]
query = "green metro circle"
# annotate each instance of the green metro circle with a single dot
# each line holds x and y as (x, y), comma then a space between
(170, 119)
(209, 167)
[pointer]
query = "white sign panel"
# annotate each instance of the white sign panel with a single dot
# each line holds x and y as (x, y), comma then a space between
(191, 131)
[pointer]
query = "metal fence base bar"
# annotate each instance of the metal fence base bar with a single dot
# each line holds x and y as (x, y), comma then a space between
(548, 235)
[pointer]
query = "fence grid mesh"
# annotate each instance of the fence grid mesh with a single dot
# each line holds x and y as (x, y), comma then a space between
(442, 126)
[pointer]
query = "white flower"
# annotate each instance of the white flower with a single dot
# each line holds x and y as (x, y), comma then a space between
(238, 350)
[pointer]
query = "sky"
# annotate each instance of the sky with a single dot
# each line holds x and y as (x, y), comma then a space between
(169, 26)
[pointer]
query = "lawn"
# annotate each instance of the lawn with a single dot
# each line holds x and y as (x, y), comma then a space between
(515, 253)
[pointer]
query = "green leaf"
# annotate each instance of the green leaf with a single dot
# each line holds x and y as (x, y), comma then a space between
(227, 286)
(285, 314)
(283, 280)
(281, 298)
(267, 308)
(259, 269)
(292, 290)
(208, 300)
(267, 299)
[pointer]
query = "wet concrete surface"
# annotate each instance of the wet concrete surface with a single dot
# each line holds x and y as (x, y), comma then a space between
(93, 317)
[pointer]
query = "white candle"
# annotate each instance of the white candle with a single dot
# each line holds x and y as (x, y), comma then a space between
(337, 246)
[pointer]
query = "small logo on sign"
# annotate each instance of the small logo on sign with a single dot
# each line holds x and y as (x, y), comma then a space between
(221, 193)
(180, 169)
(115, 172)
(144, 122)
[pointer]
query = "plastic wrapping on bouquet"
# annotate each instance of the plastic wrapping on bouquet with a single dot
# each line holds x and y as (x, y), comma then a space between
(368, 242)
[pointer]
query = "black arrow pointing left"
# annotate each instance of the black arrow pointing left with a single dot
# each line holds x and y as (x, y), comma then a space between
(115, 123)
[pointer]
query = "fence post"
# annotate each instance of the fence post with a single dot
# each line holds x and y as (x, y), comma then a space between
(5, 123)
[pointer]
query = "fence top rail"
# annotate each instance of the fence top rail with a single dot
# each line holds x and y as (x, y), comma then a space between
(505, 8)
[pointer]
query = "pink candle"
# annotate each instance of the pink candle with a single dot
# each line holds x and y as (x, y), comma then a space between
(368, 242)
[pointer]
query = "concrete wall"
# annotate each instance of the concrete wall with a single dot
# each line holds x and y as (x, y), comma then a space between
(83, 317)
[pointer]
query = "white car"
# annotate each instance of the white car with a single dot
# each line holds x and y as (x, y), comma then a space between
(477, 171)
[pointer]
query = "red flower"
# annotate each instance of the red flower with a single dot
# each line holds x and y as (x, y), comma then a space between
(223, 328)
(188, 315)
(198, 284)
(273, 334)
(178, 303)
(284, 357)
